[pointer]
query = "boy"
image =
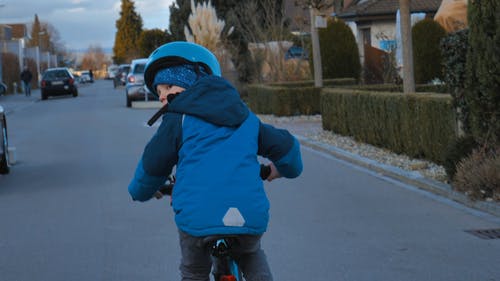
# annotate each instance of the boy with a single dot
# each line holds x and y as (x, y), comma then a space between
(213, 139)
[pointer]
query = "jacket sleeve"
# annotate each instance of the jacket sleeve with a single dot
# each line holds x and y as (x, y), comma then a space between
(282, 148)
(158, 159)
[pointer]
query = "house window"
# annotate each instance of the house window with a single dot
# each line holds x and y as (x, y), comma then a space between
(367, 37)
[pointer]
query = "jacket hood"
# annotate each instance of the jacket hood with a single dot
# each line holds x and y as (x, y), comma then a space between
(212, 99)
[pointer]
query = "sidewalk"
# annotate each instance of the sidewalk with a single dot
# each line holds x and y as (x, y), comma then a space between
(308, 129)
(13, 102)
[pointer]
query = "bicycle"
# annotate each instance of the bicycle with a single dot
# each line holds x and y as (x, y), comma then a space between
(225, 265)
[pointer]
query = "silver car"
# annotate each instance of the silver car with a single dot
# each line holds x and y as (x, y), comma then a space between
(134, 88)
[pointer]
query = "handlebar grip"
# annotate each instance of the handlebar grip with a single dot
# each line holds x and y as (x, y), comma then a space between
(166, 189)
(265, 171)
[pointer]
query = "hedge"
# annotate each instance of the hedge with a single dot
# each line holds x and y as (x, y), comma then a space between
(438, 88)
(419, 125)
(289, 98)
(310, 83)
(283, 101)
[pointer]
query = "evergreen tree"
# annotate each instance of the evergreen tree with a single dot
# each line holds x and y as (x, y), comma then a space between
(152, 39)
(427, 60)
(128, 31)
(179, 14)
(339, 52)
(482, 93)
(36, 29)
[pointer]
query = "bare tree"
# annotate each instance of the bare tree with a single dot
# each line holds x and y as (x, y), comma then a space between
(267, 32)
(315, 6)
(95, 59)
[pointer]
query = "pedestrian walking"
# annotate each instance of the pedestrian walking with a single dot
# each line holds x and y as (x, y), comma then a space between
(26, 77)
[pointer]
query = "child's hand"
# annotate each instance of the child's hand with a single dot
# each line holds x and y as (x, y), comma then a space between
(158, 195)
(274, 172)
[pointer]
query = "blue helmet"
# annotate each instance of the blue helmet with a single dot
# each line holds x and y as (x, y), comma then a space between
(177, 53)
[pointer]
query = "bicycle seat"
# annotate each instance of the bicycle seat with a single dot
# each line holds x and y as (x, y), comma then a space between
(212, 238)
(221, 245)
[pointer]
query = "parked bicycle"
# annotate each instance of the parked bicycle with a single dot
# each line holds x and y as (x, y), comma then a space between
(225, 264)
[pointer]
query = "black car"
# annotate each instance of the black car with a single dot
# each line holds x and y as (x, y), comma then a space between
(58, 81)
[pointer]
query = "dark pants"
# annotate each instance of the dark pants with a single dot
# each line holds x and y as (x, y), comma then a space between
(27, 88)
(196, 262)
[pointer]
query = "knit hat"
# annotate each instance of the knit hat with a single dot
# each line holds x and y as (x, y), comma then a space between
(182, 75)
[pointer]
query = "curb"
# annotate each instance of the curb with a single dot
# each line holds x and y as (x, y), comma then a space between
(411, 178)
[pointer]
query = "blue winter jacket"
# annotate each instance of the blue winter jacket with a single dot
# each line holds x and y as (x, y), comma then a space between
(213, 139)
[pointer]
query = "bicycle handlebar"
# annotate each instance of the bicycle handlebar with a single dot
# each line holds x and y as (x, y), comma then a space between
(166, 189)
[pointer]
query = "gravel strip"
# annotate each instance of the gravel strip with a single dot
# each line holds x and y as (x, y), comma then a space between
(310, 127)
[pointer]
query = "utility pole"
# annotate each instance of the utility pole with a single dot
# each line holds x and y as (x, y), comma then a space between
(318, 72)
(408, 75)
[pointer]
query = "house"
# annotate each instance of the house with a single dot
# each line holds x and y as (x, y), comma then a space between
(373, 23)
(299, 18)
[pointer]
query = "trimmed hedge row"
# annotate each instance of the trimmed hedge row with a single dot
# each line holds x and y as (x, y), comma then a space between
(418, 125)
(283, 101)
(289, 98)
(310, 83)
(442, 89)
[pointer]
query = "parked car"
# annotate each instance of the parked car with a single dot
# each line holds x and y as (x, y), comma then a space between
(121, 75)
(3, 89)
(135, 89)
(85, 77)
(112, 71)
(58, 81)
(296, 52)
(4, 142)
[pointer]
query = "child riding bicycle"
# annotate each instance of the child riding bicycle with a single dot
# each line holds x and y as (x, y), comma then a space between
(208, 132)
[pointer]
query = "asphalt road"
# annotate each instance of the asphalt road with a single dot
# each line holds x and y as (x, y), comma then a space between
(65, 213)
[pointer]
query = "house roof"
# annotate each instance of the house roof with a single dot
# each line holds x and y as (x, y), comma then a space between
(373, 8)
(19, 30)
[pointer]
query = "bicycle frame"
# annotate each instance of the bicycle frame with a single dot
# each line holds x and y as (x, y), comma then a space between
(226, 268)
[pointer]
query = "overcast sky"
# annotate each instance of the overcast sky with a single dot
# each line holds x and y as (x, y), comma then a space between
(82, 23)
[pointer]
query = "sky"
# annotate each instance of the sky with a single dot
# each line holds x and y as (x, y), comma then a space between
(82, 23)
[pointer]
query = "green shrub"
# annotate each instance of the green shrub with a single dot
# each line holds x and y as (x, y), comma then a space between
(399, 88)
(283, 101)
(454, 51)
(458, 149)
(482, 93)
(308, 83)
(426, 37)
(339, 51)
(478, 175)
(418, 125)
